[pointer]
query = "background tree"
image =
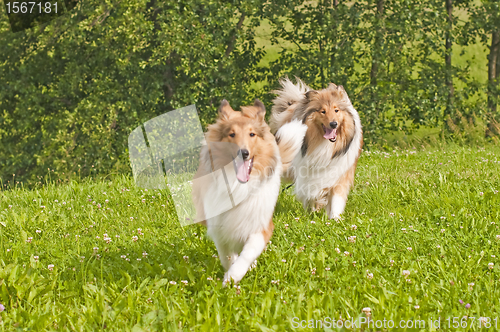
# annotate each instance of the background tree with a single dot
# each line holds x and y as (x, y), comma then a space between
(74, 88)
(485, 19)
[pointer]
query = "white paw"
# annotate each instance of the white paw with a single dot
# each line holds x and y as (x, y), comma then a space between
(336, 216)
(254, 265)
(228, 278)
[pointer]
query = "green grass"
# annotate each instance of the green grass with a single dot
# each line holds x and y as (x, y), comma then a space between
(444, 204)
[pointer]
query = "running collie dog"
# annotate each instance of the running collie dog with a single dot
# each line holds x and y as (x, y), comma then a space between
(321, 162)
(240, 144)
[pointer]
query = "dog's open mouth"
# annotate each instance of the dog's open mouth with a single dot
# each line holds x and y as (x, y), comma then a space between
(330, 134)
(243, 169)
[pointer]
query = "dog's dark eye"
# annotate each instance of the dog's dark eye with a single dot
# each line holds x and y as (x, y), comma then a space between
(324, 112)
(252, 134)
(232, 134)
(336, 111)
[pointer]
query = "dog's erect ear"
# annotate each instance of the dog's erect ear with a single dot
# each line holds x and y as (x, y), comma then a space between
(257, 111)
(261, 109)
(343, 94)
(225, 110)
(332, 86)
(310, 94)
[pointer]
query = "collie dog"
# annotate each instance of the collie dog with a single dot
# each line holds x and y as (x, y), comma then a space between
(242, 161)
(323, 160)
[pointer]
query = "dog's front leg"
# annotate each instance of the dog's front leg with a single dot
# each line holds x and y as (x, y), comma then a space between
(251, 250)
(337, 197)
(336, 206)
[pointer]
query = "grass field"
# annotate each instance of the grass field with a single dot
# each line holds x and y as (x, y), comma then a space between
(419, 237)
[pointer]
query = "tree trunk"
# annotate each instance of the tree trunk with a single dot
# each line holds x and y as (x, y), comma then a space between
(448, 46)
(493, 70)
(377, 46)
(493, 76)
(230, 46)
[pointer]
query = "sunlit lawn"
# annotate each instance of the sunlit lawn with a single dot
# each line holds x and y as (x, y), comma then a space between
(103, 254)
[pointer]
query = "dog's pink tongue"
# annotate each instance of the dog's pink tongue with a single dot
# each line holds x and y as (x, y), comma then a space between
(242, 171)
(330, 133)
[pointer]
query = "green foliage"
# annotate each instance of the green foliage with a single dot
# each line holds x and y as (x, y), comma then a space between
(443, 204)
(73, 89)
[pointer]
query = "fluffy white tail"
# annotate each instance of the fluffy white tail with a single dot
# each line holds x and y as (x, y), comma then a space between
(289, 138)
(286, 101)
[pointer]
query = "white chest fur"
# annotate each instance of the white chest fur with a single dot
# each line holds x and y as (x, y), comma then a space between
(315, 172)
(252, 214)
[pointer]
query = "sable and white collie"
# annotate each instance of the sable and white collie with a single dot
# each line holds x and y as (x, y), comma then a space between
(321, 162)
(242, 169)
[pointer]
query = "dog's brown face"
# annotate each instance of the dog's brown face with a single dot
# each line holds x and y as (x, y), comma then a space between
(246, 130)
(329, 111)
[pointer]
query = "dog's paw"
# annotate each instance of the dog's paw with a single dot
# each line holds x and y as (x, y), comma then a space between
(336, 216)
(254, 265)
(228, 279)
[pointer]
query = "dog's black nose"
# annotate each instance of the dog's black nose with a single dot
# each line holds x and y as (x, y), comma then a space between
(244, 153)
(333, 124)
